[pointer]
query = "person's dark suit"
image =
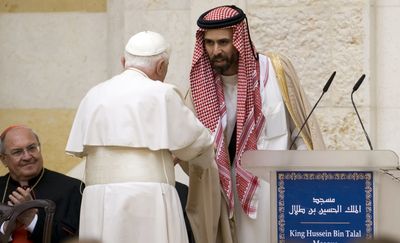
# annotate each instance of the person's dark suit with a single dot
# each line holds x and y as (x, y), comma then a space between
(65, 191)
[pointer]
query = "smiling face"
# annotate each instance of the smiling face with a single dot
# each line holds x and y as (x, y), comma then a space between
(223, 55)
(21, 154)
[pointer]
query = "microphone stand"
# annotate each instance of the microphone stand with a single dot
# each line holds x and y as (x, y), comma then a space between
(356, 86)
(324, 90)
(359, 118)
(305, 121)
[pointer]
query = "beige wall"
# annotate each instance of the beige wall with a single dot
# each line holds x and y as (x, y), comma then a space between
(53, 51)
(23, 6)
(52, 126)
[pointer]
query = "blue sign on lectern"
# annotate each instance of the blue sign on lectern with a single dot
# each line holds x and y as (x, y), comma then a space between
(319, 207)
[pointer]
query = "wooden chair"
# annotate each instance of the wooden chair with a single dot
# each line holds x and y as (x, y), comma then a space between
(11, 213)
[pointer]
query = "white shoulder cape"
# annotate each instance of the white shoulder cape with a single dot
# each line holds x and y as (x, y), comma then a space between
(134, 111)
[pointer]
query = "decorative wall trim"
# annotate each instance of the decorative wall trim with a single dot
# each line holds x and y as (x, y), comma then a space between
(29, 6)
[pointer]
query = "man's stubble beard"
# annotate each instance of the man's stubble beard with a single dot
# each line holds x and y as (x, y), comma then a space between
(230, 61)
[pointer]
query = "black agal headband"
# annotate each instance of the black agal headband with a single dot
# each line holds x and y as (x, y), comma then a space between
(227, 22)
(221, 23)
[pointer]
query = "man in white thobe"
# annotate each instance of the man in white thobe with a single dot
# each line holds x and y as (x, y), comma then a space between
(249, 101)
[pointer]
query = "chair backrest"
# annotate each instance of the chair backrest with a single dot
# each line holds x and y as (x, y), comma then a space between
(11, 214)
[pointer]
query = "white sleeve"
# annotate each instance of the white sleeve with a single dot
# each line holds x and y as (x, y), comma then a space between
(32, 225)
(196, 142)
(2, 231)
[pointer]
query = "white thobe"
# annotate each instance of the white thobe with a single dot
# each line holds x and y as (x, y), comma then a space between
(277, 134)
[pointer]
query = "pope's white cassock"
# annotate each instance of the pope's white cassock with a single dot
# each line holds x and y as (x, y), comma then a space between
(130, 128)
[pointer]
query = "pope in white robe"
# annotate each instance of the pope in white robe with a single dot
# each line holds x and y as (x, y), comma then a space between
(131, 129)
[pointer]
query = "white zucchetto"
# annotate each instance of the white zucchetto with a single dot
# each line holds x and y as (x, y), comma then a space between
(146, 43)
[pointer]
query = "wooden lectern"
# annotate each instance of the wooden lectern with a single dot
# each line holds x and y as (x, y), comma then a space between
(383, 165)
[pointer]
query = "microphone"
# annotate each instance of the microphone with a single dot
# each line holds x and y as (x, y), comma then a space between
(324, 90)
(358, 83)
(355, 88)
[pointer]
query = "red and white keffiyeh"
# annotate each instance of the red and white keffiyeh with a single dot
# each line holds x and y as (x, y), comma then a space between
(208, 98)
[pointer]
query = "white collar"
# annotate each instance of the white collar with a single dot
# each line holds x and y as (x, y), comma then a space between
(138, 71)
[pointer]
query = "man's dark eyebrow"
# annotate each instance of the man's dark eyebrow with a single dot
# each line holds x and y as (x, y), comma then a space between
(218, 40)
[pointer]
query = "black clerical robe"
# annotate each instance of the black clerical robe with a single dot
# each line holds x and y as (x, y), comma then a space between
(64, 191)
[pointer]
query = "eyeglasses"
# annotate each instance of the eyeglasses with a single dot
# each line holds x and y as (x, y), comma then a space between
(32, 149)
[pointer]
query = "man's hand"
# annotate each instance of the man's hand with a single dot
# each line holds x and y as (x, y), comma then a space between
(19, 196)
